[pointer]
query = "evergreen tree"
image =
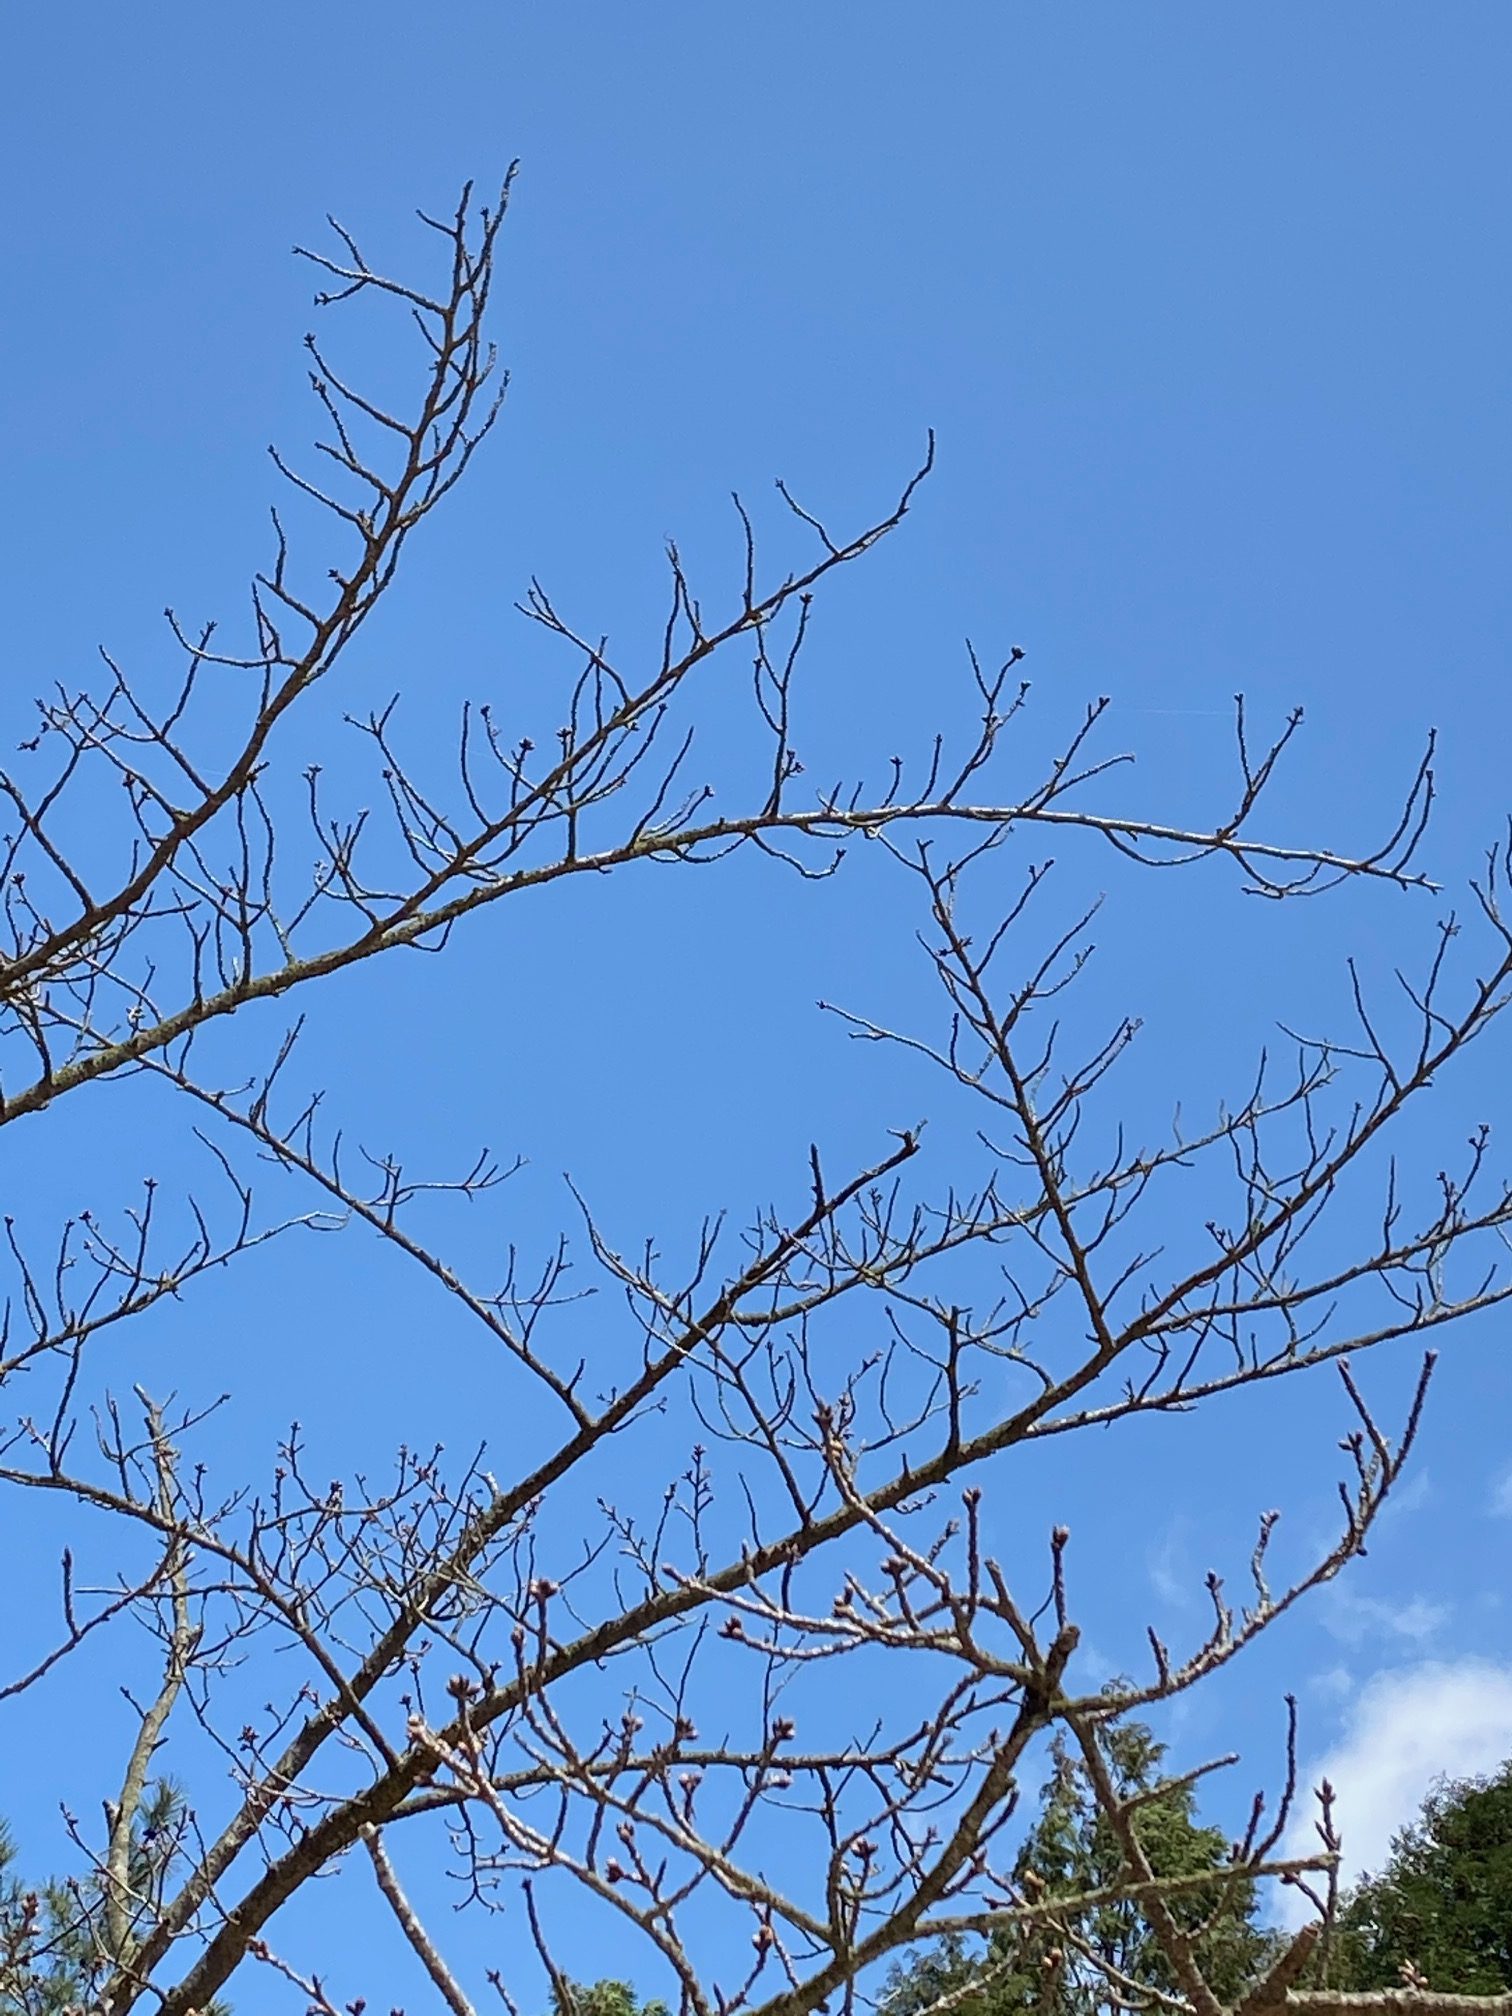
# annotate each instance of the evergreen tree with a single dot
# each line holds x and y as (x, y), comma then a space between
(1442, 1907)
(603, 1998)
(55, 1948)
(44, 1942)
(1072, 1850)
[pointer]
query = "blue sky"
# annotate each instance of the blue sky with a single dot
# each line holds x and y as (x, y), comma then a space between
(1211, 313)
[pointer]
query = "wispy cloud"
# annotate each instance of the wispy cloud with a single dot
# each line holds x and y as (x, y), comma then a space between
(1335, 1683)
(1172, 1575)
(1501, 1496)
(1352, 1618)
(1411, 1496)
(1445, 1718)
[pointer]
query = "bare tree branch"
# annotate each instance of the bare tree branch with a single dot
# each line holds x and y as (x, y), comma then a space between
(515, 1668)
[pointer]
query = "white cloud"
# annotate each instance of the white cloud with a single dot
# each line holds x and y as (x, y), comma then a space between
(1411, 1496)
(1403, 1730)
(1337, 1683)
(1501, 1496)
(1170, 1566)
(1351, 1618)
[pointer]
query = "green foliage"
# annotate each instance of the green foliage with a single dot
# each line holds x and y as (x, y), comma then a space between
(603, 1998)
(43, 1963)
(1071, 1851)
(1442, 1906)
(55, 1949)
(952, 1969)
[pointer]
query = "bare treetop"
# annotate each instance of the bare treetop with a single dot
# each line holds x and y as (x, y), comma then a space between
(445, 1660)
